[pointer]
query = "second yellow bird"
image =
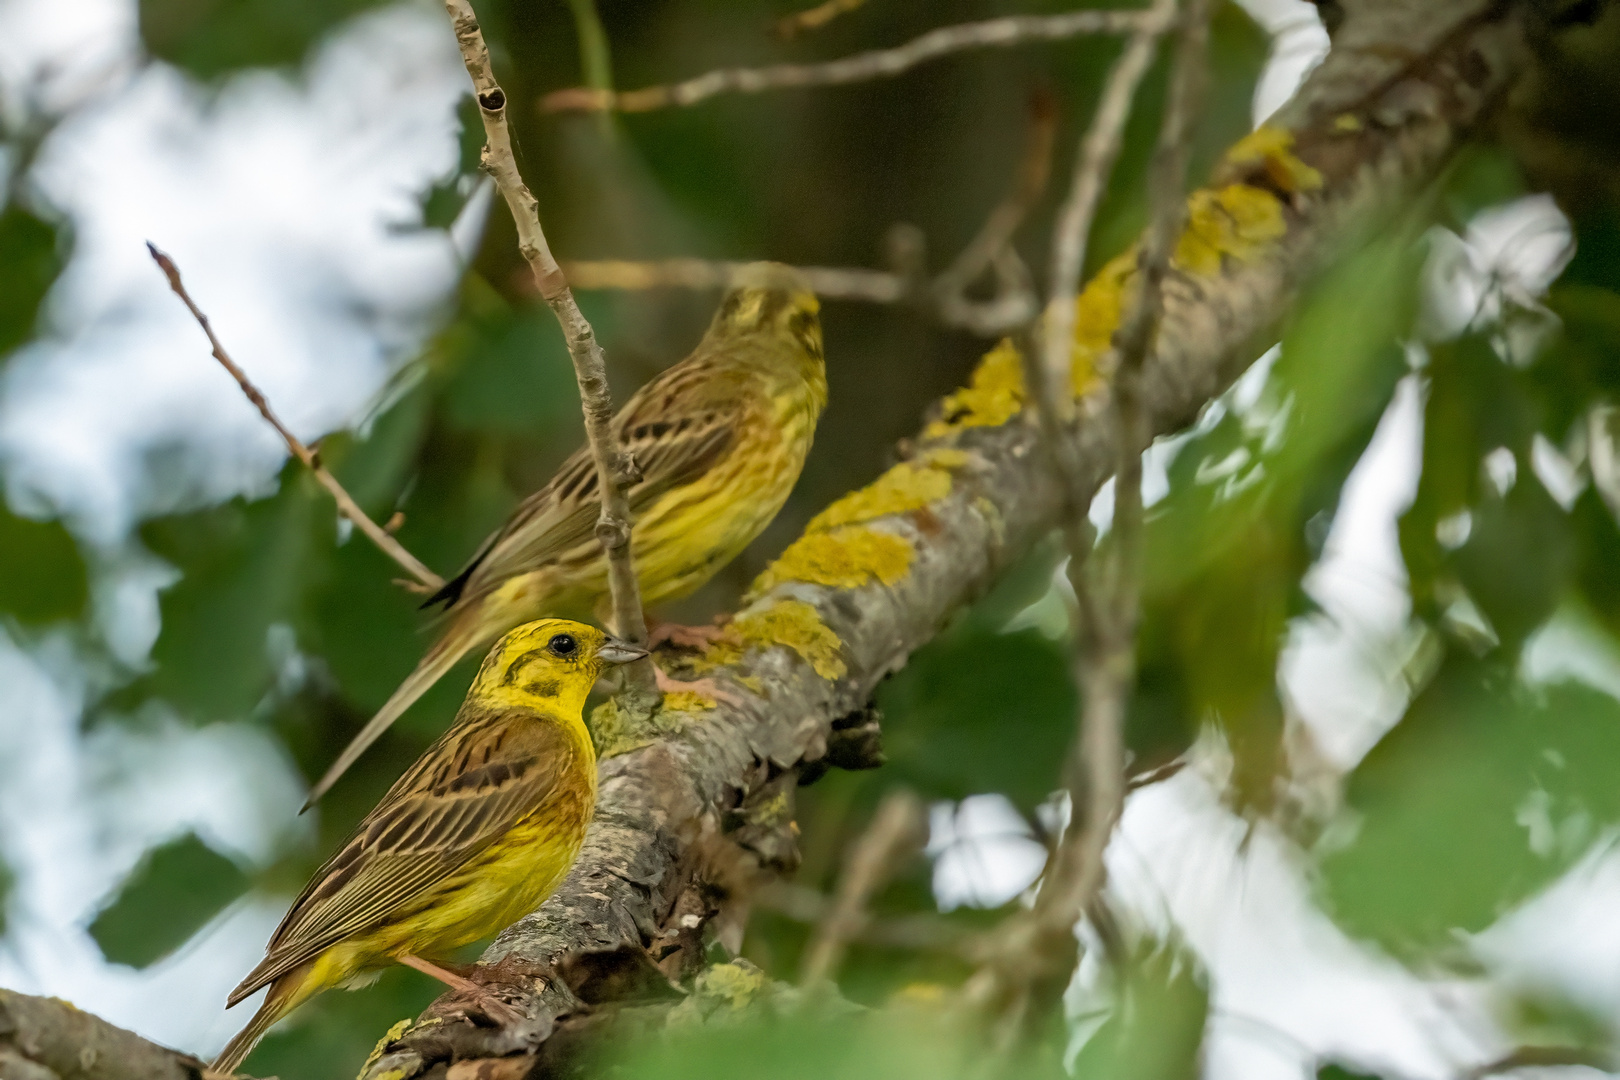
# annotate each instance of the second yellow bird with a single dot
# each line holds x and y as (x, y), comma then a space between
(720, 439)
(474, 836)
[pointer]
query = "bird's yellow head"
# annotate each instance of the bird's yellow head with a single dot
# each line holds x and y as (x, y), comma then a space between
(552, 663)
(773, 302)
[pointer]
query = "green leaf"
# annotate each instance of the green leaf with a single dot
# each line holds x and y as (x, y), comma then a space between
(44, 577)
(1484, 792)
(244, 567)
(1156, 1026)
(1332, 1071)
(33, 256)
(979, 711)
(510, 370)
(215, 37)
(173, 893)
(893, 1044)
(6, 883)
(1519, 551)
(1227, 548)
(442, 202)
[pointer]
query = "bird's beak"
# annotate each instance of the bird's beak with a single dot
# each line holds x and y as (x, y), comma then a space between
(614, 651)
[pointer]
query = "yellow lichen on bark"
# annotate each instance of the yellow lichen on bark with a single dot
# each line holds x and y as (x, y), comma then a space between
(1098, 309)
(844, 558)
(792, 624)
(906, 487)
(1238, 221)
(393, 1034)
(612, 736)
(1272, 149)
(994, 394)
(688, 701)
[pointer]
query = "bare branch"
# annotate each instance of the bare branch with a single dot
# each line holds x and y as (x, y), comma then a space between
(614, 469)
(898, 830)
(791, 26)
(1092, 169)
(991, 248)
(425, 580)
(829, 283)
(878, 64)
(1107, 665)
(1017, 992)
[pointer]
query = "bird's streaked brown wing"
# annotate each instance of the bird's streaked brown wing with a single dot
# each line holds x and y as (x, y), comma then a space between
(675, 428)
(440, 814)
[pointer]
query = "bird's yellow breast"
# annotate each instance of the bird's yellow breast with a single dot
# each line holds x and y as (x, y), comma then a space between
(489, 892)
(691, 532)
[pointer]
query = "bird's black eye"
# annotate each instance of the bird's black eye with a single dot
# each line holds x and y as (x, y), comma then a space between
(563, 645)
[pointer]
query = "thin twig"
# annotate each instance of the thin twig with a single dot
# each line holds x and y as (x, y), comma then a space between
(829, 283)
(1530, 1057)
(991, 248)
(922, 930)
(1092, 169)
(898, 829)
(1107, 663)
(791, 26)
(614, 468)
(878, 64)
(426, 580)
(1013, 986)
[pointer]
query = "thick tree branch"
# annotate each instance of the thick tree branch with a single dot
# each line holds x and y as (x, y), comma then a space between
(426, 580)
(48, 1039)
(693, 815)
(614, 468)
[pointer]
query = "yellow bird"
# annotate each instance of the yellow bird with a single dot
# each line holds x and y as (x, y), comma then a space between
(474, 836)
(720, 439)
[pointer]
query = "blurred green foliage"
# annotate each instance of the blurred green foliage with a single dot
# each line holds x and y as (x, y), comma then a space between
(212, 38)
(31, 255)
(44, 577)
(1154, 1029)
(175, 890)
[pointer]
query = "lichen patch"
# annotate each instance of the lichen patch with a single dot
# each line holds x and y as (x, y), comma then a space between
(1238, 221)
(792, 624)
(906, 487)
(994, 394)
(1272, 150)
(844, 558)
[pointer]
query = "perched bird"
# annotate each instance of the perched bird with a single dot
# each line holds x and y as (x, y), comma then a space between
(719, 438)
(475, 835)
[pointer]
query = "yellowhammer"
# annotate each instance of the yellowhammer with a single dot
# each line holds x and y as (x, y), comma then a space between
(479, 831)
(719, 438)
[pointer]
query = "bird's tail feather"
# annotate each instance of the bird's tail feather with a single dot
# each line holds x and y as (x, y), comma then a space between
(455, 644)
(286, 994)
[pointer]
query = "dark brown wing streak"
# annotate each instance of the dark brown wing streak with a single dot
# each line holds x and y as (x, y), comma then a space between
(676, 427)
(432, 822)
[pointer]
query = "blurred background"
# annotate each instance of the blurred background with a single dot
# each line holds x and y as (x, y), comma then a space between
(1379, 675)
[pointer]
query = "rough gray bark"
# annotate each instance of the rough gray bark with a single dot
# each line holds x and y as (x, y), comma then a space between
(689, 822)
(49, 1039)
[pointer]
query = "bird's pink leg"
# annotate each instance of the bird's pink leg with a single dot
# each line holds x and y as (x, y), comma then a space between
(497, 1010)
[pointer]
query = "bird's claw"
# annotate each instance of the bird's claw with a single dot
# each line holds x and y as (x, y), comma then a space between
(685, 637)
(707, 687)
